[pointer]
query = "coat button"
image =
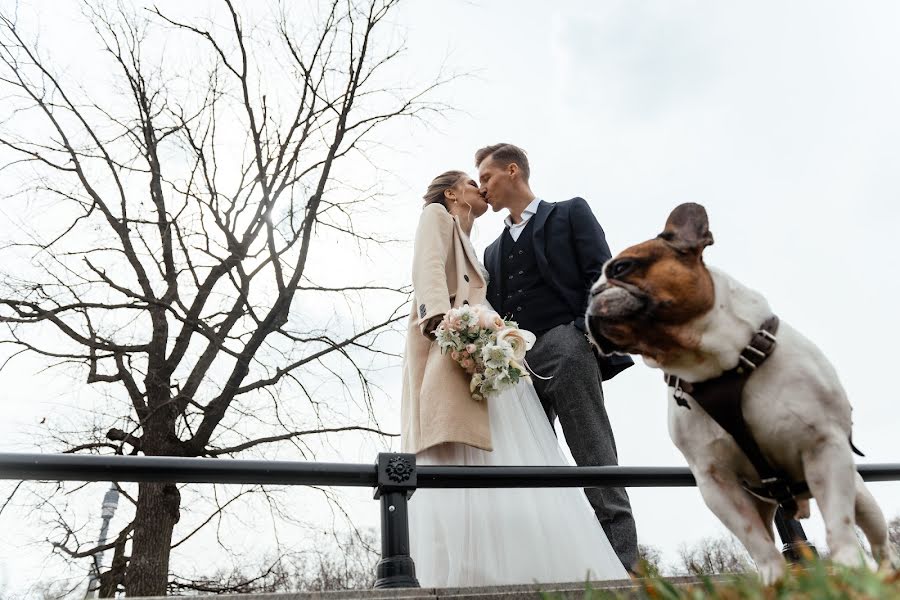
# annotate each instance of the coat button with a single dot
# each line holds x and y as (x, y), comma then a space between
(520, 252)
(518, 309)
(510, 276)
(466, 277)
(465, 302)
(521, 272)
(510, 256)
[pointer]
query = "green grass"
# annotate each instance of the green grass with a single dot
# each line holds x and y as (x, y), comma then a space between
(818, 580)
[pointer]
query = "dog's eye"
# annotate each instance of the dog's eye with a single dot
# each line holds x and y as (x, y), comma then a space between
(620, 268)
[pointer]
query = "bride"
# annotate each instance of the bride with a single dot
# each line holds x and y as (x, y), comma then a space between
(478, 537)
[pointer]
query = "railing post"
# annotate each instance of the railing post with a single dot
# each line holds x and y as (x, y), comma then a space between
(795, 547)
(396, 483)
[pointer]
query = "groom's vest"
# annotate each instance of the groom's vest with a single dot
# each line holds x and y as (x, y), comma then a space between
(524, 295)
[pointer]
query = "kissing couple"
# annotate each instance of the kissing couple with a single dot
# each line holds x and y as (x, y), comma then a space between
(538, 272)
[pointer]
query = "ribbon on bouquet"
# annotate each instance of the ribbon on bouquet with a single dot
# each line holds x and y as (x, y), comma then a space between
(530, 370)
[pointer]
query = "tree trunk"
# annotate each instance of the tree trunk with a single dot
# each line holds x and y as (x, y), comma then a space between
(157, 512)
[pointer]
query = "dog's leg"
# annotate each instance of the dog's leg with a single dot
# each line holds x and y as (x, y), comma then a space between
(871, 520)
(766, 513)
(831, 475)
(740, 513)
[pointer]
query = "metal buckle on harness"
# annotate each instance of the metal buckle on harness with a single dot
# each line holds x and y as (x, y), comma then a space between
(758, 352)
(750, 364)
(678, 393)
(766, 335)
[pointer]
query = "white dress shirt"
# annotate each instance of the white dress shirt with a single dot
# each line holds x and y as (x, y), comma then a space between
(515, 229)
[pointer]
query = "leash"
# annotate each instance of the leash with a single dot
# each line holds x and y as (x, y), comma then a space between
(721, 398)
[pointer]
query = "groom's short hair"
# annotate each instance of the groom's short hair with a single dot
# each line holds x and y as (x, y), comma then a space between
(504, 155)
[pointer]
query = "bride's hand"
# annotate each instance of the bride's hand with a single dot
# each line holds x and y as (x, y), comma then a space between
(432, 324)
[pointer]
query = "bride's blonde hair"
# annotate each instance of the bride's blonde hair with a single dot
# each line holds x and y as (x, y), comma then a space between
(439, 185)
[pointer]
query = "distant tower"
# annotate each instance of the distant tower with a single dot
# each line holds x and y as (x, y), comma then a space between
(107, 510)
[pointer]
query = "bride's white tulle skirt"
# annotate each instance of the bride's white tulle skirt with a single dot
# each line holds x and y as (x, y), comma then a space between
(478, 537)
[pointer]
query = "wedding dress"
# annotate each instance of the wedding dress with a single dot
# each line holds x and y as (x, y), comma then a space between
(491, 536)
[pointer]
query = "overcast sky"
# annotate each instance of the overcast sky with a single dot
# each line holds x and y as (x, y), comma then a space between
(780, 118)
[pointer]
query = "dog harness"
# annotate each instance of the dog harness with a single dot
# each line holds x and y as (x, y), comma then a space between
(721, 398)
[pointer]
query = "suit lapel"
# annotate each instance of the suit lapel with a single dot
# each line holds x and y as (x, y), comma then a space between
(540, 219)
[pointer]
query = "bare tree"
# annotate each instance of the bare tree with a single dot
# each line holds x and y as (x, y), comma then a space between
(650, 559)
(178, 218)
(710, 556)
(336, 563)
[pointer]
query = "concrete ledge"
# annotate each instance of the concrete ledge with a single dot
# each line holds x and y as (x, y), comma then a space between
(628, 588)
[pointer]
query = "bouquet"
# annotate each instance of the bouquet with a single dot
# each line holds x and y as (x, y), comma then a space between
(491, 349)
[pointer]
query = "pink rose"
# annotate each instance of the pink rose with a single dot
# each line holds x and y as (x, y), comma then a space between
(454, 355)
(468, 363)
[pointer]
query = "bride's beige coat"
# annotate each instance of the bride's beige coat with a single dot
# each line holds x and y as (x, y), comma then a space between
(436, 405)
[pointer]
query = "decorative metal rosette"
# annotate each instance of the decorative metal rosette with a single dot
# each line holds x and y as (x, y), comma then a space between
(398, 469)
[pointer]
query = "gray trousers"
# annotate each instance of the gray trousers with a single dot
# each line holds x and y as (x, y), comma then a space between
(575, 395)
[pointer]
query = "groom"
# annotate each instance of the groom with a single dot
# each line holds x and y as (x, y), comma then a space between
(541, 269)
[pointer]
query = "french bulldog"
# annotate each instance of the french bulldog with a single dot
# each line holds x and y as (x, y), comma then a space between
(660, 300)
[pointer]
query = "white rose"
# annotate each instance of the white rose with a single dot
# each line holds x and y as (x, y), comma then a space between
(520, 340)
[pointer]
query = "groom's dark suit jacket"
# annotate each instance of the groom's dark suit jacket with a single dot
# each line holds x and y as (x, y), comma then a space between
(570, 250)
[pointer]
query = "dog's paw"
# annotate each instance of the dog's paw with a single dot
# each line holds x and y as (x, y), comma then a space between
(852, 556)
(888, 558)
(771, 571)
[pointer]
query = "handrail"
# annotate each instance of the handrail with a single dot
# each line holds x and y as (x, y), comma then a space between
(74, 467)
(394, 476)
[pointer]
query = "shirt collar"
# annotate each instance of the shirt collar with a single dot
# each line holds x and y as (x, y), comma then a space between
(529, 212)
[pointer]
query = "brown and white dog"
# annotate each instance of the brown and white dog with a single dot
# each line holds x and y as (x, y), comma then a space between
(658, 299)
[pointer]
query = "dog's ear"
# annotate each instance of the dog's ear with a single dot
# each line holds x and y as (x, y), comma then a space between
(687, 228)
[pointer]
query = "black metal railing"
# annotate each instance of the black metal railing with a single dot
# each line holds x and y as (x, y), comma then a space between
(394, 477)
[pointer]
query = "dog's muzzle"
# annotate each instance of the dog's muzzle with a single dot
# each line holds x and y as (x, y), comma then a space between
(608, 308)
(615, 302)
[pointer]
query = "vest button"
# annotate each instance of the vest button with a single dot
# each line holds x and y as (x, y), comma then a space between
(521, 272)
(518, 309)
(520, 252)
(510, 276)
(466, 277)
(510, 256)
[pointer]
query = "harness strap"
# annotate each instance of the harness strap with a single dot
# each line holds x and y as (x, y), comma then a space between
(721, 398)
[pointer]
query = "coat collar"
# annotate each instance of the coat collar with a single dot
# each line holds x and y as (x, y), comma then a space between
(529, 212)
(468, 249)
